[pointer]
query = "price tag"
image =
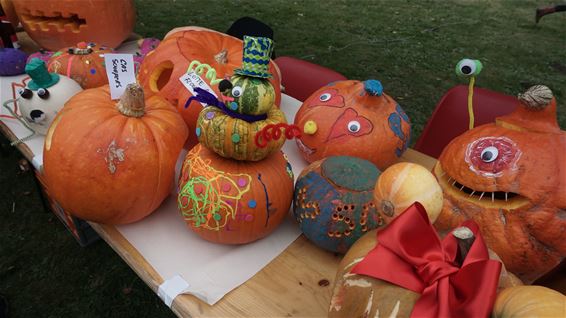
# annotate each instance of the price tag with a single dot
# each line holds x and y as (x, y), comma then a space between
(120, 72)
(192, 80)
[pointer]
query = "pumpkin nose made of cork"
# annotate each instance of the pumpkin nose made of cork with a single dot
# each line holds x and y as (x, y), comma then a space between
(310, 127)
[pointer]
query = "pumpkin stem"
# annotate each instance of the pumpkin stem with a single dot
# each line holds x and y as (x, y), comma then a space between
(222, 57)
(465, 238)
(132, 103)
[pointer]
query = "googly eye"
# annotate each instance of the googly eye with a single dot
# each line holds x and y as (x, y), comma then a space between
(354, 126)
(325, 97)
(43, 93)
(25, 93)
(468, 67)
(237, 91)
(489, 154)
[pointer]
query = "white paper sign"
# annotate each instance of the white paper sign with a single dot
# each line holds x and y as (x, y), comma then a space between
(120, 72)
(192, 80)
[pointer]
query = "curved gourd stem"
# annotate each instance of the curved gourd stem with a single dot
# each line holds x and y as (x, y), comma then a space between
(470, 100)
(465, 238)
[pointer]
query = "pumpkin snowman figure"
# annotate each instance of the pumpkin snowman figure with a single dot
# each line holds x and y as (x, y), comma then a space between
(43, 97)
(236, 186)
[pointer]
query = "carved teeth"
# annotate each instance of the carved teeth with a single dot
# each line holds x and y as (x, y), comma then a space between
(462, 187)
(481, 195)
(506, 196)
(493, 197)
(471, 194)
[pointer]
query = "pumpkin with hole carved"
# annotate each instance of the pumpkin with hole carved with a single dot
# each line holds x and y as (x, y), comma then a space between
(113, 162)
(353, 118)
(509, 177)
(401, 185)
(83, 62)
(234, 202)
(356, 295)
(211, 54)
(529, 301)
(333, 201)
(55, 24)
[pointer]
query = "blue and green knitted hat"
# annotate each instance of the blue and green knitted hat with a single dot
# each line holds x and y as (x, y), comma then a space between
(257, 54)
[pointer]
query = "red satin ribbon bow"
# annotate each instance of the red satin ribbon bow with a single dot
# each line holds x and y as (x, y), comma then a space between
(411, 255)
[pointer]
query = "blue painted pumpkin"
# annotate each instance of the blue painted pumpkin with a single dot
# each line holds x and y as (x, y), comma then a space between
(333, 201)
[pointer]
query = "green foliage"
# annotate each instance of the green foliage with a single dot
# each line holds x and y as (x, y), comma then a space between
(412, 47)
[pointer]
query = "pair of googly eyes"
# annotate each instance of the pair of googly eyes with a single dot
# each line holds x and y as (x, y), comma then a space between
(489, 154)
(26, 93)
(468, 67)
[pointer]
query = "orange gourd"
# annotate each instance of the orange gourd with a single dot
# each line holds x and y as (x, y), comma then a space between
(401, 185)
(83, 63)
(234, 202)
(509, 177)
(529, 301)
(353, 118)
(160, 70)
(113, 162)
(55, 24)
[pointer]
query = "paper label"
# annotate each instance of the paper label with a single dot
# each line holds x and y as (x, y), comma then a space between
(192, 80)
(120, 71)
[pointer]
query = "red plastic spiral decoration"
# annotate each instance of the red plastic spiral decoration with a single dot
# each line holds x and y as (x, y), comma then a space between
(274, 132)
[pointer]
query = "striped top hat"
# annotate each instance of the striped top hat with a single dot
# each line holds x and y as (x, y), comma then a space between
(257, 54)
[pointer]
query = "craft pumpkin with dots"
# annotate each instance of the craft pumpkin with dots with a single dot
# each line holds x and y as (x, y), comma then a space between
(509, 177)
(234, 202)
(246, 124)
(333, 201)
(353, 118)
(84, 63)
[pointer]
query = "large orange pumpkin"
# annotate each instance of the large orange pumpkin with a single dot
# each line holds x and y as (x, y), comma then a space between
(509, 177)
(113, 162)
(55, 24)
(84, 63)
(160, 70)
(234, 202)
(353, 118)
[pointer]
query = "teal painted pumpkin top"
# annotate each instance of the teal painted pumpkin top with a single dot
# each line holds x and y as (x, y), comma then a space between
(350, 172)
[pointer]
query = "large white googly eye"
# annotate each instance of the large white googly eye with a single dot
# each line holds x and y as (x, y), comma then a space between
(354, 126)
(43, 93)
(325, 97)
(489, 154)
(25, 93)
(237, 91)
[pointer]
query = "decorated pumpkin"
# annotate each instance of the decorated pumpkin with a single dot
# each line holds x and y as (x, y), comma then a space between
(9, 11)
(401, 185)
(55, 24)
(234, 202)
(113, 162)
(529, 301)
(360, 295)
(12, 62)
(508, 177)
(249, 95)
(333, 202)
(44, 95)
(84, 63)
(211, 54)
(353, 118)
(236, 138)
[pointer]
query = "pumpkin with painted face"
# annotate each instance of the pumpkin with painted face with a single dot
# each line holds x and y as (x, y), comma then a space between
(510, 178)
(353, 118)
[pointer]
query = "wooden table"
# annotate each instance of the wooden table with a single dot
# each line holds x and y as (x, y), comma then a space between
(296, 283)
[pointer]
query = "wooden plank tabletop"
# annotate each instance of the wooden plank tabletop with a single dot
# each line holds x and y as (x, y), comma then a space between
(296, 283)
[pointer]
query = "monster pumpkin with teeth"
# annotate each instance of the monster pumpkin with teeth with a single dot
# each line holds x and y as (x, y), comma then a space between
(353, 118)
(510, 178)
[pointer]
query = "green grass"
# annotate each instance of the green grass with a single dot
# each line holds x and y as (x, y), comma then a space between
(411, 46)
